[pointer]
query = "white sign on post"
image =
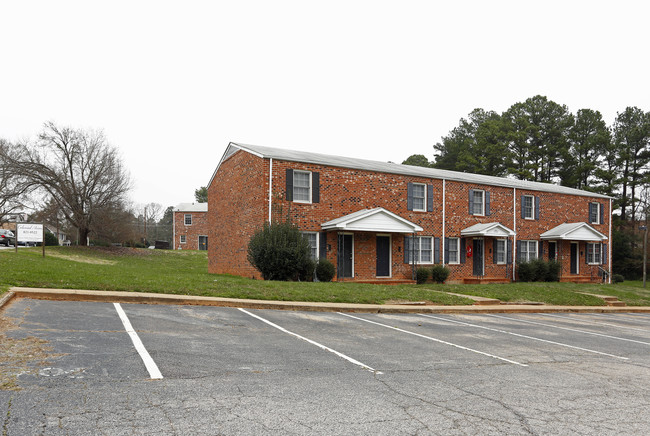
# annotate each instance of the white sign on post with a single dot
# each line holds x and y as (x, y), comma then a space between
(29, 232)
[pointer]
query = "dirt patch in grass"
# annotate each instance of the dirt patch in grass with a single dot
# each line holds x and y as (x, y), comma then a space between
(20, 356)
(83, 259)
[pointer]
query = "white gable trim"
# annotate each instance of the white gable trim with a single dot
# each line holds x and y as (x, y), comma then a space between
(574, 232)
(372, 220)
(494, 230)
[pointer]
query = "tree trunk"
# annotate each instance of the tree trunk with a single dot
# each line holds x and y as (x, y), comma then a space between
(83, 236)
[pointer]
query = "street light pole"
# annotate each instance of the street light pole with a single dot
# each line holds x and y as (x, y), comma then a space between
(645, 251)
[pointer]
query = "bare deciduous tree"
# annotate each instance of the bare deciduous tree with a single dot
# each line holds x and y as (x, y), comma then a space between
(13, 185)
(79, 169)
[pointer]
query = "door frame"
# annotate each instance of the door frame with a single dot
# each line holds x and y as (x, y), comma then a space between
(390, 254)
(343, 254)
(198, 243)
(474, 254)
(577, 258)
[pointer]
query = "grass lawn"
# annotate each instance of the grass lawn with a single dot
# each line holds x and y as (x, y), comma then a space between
(186, 273)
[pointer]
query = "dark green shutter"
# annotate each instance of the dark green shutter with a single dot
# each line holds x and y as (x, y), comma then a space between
(409, 196)
(436, 250)
(322, 248)
(471, 202)
(536, 208)
(429, 198)
(289, 188)
(462, 250)
(315, 189)
(487, 203)
(446, 253)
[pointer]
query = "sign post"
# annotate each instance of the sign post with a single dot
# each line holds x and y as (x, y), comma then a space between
(30, 232)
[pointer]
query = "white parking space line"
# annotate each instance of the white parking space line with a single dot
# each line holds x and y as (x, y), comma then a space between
(151, 366)
(583, 320)
(349, 359)
(570, 329)
(524, 336)
(435, 340)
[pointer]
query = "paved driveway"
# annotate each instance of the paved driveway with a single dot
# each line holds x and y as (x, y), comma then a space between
(148, 369)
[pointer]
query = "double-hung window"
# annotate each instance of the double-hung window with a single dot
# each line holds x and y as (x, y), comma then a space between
(188, 219)
(302, 186)
(478, 202)
(453, 249)
(421, 248)
(183, 239)
(312, 238)
(594, 213)
(529, 207)
(500, 253)
(420, 197)
(527, 251)
(593, 253)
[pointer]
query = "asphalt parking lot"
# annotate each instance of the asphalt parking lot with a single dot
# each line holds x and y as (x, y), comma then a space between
(152, 369)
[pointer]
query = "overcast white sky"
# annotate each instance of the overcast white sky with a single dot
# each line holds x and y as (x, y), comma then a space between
(171, 83)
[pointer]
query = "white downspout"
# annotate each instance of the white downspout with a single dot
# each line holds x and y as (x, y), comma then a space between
(173, 230)
(444, 219)
(514, 238)
(270, 188)
(609, 258)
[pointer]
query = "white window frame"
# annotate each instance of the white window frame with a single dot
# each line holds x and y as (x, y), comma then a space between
(597, 220)
(417, 251)
(457, 251)
(424, 197)
(535, 252)
(596, 258)
(532, 207)
(183, 239)
(311, 248)
(185, 219)
(309, 187)
(501, 250)
(474, 202)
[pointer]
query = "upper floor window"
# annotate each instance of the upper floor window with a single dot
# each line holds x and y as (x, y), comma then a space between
(529, 207)
(595, 213)
(479, 202)
(594, 253)
(312, 238)
(419, 197)
(188, 219)
(302, 186)
(527, 251)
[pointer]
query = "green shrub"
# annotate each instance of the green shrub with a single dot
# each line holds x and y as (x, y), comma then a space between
(280, 252)
(540, 270)
(525, 271)
(51, 239)
(308, 271)
(439, 273)
(325, 270)
(553, 273)
(422, 275)
(618, 278)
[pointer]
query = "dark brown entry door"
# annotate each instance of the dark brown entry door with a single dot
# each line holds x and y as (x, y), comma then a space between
(574, 258)
(345, 253)
(478, 257)
(383, 256)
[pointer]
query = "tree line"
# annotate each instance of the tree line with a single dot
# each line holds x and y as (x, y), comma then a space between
(541, 140)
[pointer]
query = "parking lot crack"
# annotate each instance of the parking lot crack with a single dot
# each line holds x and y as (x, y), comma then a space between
(5, 423)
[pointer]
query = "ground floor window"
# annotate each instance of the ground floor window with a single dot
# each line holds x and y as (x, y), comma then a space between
(500, 251)
(453, 250)
(183, 239)
(527, 251)
(593, 253)
(312, 238)
(421, 247)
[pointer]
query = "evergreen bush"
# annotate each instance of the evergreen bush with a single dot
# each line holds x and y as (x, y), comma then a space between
(439, 273)
(618, 278)
(422, 275)
(325, 270)
(280, 252)
(525, 271)
(51, 239)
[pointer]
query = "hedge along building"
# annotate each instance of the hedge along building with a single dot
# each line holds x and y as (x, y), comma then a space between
(378, 221)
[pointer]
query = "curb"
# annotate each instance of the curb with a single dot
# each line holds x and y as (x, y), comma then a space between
(190, 300)
(6, 298)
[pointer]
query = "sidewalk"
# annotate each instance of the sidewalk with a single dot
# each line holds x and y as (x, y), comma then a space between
(151, 298)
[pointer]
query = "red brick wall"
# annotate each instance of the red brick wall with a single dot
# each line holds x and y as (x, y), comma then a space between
(192, 232)
(239, 205)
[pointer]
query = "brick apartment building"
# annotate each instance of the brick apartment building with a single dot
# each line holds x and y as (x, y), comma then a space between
(190, 226)
(378, 221)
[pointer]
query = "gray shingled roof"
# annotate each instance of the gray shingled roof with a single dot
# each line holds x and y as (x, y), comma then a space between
(393, 168)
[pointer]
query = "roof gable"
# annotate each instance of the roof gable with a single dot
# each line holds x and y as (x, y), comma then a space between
(494, 230)
(372, 220)
(574, 232)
